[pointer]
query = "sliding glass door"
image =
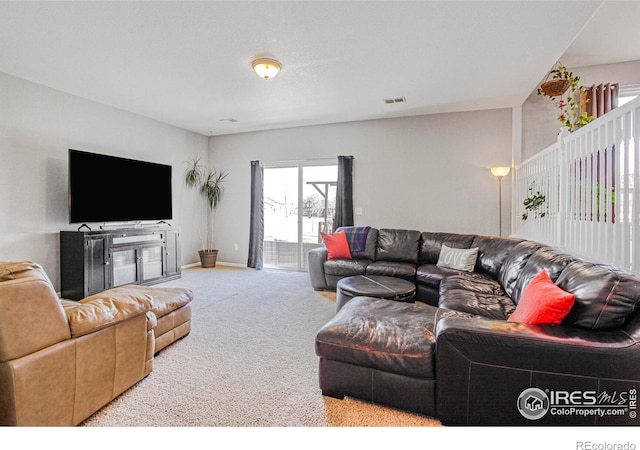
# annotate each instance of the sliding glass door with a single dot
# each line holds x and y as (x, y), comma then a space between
(299, 203)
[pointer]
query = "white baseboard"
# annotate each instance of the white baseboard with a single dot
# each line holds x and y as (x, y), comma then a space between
(223, 263)
(218, 263)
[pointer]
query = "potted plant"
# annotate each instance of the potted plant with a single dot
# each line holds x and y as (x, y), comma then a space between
(209, 183)
(561, 81)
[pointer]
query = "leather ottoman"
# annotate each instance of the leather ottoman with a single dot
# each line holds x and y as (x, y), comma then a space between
(380, 351)
(374, 286)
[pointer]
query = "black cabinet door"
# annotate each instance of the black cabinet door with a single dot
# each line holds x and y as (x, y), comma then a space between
(97, 265)
(174, 260)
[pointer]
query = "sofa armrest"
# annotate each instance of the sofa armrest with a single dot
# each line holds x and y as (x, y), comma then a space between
(101, 311)
(317, 257)
(490, 363)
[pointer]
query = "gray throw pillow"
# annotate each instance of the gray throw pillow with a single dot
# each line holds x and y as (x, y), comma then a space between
(462, 259)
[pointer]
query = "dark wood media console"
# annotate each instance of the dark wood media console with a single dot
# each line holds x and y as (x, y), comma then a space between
(92, 261)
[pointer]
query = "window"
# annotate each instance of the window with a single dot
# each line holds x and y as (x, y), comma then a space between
(628, 93)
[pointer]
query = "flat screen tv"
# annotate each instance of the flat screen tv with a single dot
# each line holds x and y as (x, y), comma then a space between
(106, 188)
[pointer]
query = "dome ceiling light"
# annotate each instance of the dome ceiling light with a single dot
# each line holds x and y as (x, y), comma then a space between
(266, 67)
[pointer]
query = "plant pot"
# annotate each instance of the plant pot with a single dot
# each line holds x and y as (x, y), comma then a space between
(555, 88)
(208, 258)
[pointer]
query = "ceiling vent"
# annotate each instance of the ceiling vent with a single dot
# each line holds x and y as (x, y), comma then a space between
(389, 101)
(230, 120)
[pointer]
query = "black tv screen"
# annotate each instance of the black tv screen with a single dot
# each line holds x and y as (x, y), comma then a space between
(106, 188)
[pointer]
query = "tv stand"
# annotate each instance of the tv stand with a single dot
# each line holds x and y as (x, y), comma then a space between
(93, 261)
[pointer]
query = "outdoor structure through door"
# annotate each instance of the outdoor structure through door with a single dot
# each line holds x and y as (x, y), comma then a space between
(299, 204)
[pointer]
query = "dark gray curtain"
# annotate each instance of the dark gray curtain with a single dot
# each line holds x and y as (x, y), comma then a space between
(256, 232)
(344, 193)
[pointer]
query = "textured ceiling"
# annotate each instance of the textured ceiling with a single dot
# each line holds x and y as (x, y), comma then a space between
(189, 63)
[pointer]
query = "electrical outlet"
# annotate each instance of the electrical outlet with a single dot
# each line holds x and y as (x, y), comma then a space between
(358, 211)
(235, 247)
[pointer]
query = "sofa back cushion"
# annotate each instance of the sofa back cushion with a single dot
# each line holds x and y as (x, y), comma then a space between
(605, 296)
(31, 315)
(493, 252)
(514, 263)
(398, 245)
(431, 243)
(547, 258)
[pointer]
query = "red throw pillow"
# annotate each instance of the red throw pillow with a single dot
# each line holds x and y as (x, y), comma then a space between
(337, 245)
(543, 303)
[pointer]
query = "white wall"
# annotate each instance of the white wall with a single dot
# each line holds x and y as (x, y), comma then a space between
(429, 173)
(540, 126)
(37, 127)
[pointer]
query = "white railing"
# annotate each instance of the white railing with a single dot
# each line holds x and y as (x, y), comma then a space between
(587, 177)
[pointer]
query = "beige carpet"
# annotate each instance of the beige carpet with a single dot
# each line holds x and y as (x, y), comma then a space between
(248, 362)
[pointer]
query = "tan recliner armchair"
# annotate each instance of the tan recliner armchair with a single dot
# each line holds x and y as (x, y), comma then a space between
(60, 360)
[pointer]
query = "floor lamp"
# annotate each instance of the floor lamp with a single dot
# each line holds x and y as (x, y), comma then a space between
(499, 173)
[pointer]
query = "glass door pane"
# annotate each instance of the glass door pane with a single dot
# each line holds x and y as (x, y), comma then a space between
(281, 217)
(318, 206)
(125, 267)
(151, 262)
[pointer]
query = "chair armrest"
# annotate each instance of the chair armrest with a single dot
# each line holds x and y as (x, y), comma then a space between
(317, 257)
(101, 311)
(492, 362)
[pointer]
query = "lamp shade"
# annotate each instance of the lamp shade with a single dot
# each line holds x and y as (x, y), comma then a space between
(266, 67)
(500, 171)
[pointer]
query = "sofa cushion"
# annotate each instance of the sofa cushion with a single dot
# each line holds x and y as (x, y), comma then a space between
(165, 300)
(398, 245)
(406, 271)
(493, 252)
(346, 267)
(515, 262)
(605, 296)
(337, 245)
(457, 258)
(490, 306)
(478, 282)
(431, 243)
(104, 310)
(475, 293)
(543, 303)
(432, 275)
(549, 259)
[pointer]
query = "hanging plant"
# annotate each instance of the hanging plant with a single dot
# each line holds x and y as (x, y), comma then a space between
(533, 203)
(561, 82)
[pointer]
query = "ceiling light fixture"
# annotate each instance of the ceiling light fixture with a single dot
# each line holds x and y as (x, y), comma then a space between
(266, 67)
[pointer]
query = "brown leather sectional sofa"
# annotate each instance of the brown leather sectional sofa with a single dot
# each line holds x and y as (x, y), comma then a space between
(62, 360)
